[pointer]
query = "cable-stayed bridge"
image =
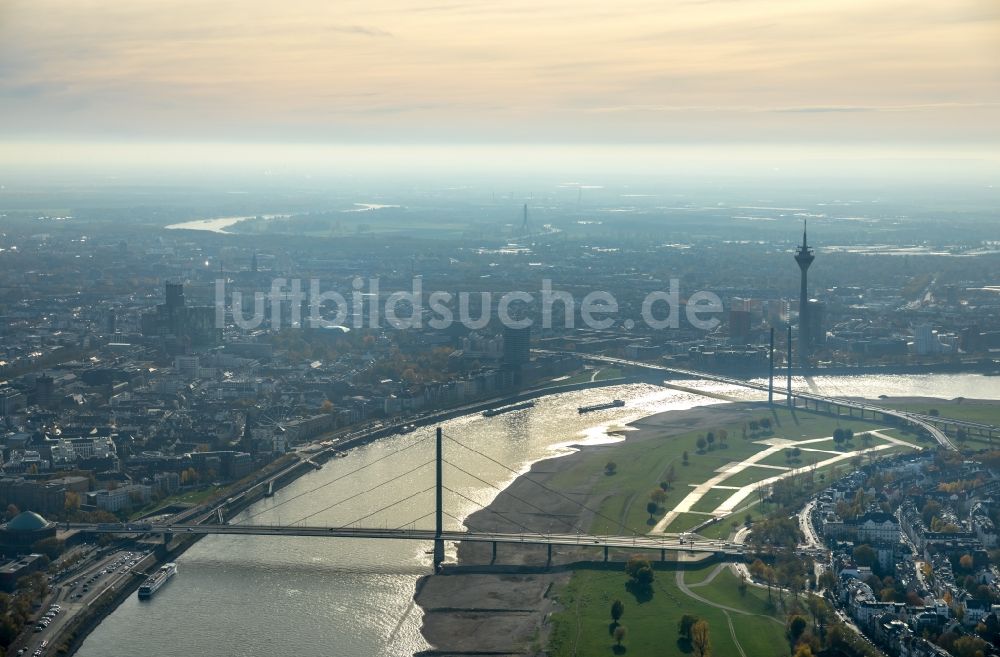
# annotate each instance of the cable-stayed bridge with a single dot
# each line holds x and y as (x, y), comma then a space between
(211, 519)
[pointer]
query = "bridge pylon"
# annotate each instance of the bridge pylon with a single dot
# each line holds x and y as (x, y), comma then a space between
(789, 361)
(770, 371)
(438, 505)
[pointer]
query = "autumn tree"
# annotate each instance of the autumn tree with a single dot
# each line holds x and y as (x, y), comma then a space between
(700, 640)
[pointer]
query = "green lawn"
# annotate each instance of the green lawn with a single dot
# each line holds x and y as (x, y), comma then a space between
(712, 499)
(751, 475)
(641, 467)
(608, 373)
(188, 497)
(987, 412)
(581, 628)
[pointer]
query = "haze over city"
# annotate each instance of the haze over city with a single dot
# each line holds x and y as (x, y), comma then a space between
(548, 329)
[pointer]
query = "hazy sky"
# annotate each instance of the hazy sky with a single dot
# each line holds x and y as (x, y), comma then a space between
(457, 71)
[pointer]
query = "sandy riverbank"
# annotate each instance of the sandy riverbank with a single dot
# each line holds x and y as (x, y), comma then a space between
(468, 612)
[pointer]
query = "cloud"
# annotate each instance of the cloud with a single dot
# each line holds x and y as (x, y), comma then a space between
(363, 30)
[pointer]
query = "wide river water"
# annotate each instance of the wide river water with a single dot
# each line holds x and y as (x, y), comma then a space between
(311, 597)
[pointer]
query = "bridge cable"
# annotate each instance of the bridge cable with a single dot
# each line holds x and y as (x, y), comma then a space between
(551, 490)
(486, 508)
(364, 492)
(384, 508)
(415, 520)
(519, 499)
(333, 481)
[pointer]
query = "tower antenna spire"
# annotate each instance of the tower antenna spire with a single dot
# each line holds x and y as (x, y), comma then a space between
(805, 225)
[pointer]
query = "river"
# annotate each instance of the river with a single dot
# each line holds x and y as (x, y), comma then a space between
(311, 597)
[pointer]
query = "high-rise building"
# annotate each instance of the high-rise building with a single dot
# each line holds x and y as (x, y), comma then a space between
(817, 323)
(516, 351)
(516, 346)
(739, 326)
(804, 256)
(192, 325)
(175, 295)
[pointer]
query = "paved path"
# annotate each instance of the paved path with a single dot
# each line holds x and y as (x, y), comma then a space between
(774, 445)
(726, 610)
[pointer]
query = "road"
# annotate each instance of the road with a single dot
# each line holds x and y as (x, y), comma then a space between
(924, 421)
(641, 542)
(75, 591)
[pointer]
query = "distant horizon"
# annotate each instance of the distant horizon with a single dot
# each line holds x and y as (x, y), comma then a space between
(945, 163)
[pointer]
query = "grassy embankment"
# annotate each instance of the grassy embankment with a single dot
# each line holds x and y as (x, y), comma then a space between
(986, 412)
(642, 465)
(581, 628)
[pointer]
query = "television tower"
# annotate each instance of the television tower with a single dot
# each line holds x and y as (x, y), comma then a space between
(804, 256)
(525, 226)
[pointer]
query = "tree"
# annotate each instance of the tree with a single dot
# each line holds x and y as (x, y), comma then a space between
(700, 640)
(796, 626)
(620, 633)
(72, 501)
(723, 435)
(685, 624)
(701, 444)
(864, 555)
(965, 562)
(610, 468)
(51, 547)
(640, 571)
(765, 424)
(651, 508)
(684, 457)
(658, 495)
(617, 609)
(12, 511)
(710, 439)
